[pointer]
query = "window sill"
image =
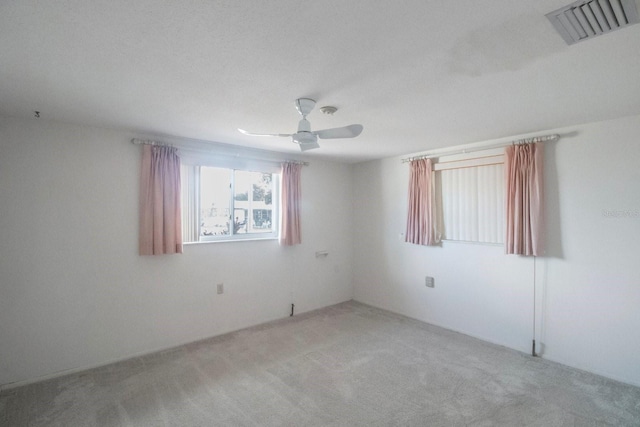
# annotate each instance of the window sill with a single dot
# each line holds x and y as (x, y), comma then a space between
(469, 242)
(252, 239)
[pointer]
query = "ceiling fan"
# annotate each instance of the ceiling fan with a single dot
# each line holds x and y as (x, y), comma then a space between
(305, 137)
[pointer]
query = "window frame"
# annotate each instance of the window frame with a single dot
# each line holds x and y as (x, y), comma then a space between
(476, 160)
(191, 202)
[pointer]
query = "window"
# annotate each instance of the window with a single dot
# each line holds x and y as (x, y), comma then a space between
(470, 198)
(221, 204)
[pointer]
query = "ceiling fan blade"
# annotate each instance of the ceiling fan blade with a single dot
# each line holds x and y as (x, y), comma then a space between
(263, 134)
(309, 146)
(350, 131)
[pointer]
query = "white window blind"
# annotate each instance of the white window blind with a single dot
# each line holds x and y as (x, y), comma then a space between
(472, 201)
(189, 177)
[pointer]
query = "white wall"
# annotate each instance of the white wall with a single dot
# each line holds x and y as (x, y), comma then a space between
(588, 285)
(73, 291)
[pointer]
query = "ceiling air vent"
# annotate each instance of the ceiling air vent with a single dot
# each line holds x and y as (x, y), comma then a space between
(583, 20)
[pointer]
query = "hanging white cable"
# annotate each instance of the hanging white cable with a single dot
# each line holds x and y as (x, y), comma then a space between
(293, 281)
(533, 348)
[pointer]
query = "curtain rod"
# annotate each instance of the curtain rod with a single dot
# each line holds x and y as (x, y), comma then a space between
(544, 138)
(136, 141)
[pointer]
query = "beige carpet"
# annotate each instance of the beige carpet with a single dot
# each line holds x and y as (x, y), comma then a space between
(345, 365)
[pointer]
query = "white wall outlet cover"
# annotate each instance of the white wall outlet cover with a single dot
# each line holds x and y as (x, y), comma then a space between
(429, 282)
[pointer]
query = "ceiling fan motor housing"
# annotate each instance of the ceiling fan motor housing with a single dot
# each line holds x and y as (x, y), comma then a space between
(304, 126)
(304, 137)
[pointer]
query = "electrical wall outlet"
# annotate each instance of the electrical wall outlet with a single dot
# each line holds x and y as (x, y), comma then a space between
(220, 288)
(429, 282)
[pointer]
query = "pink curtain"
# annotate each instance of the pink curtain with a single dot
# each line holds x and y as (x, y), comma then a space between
(160, 223)
(420, 218)
(524, 198)
(291, 199)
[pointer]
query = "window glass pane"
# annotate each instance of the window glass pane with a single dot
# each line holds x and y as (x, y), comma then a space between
(215, 201)
(253, 207)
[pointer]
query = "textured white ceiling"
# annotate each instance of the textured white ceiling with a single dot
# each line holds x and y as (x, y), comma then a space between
(417, 74)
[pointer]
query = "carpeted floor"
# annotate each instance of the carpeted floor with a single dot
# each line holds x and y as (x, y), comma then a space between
(345, 365)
